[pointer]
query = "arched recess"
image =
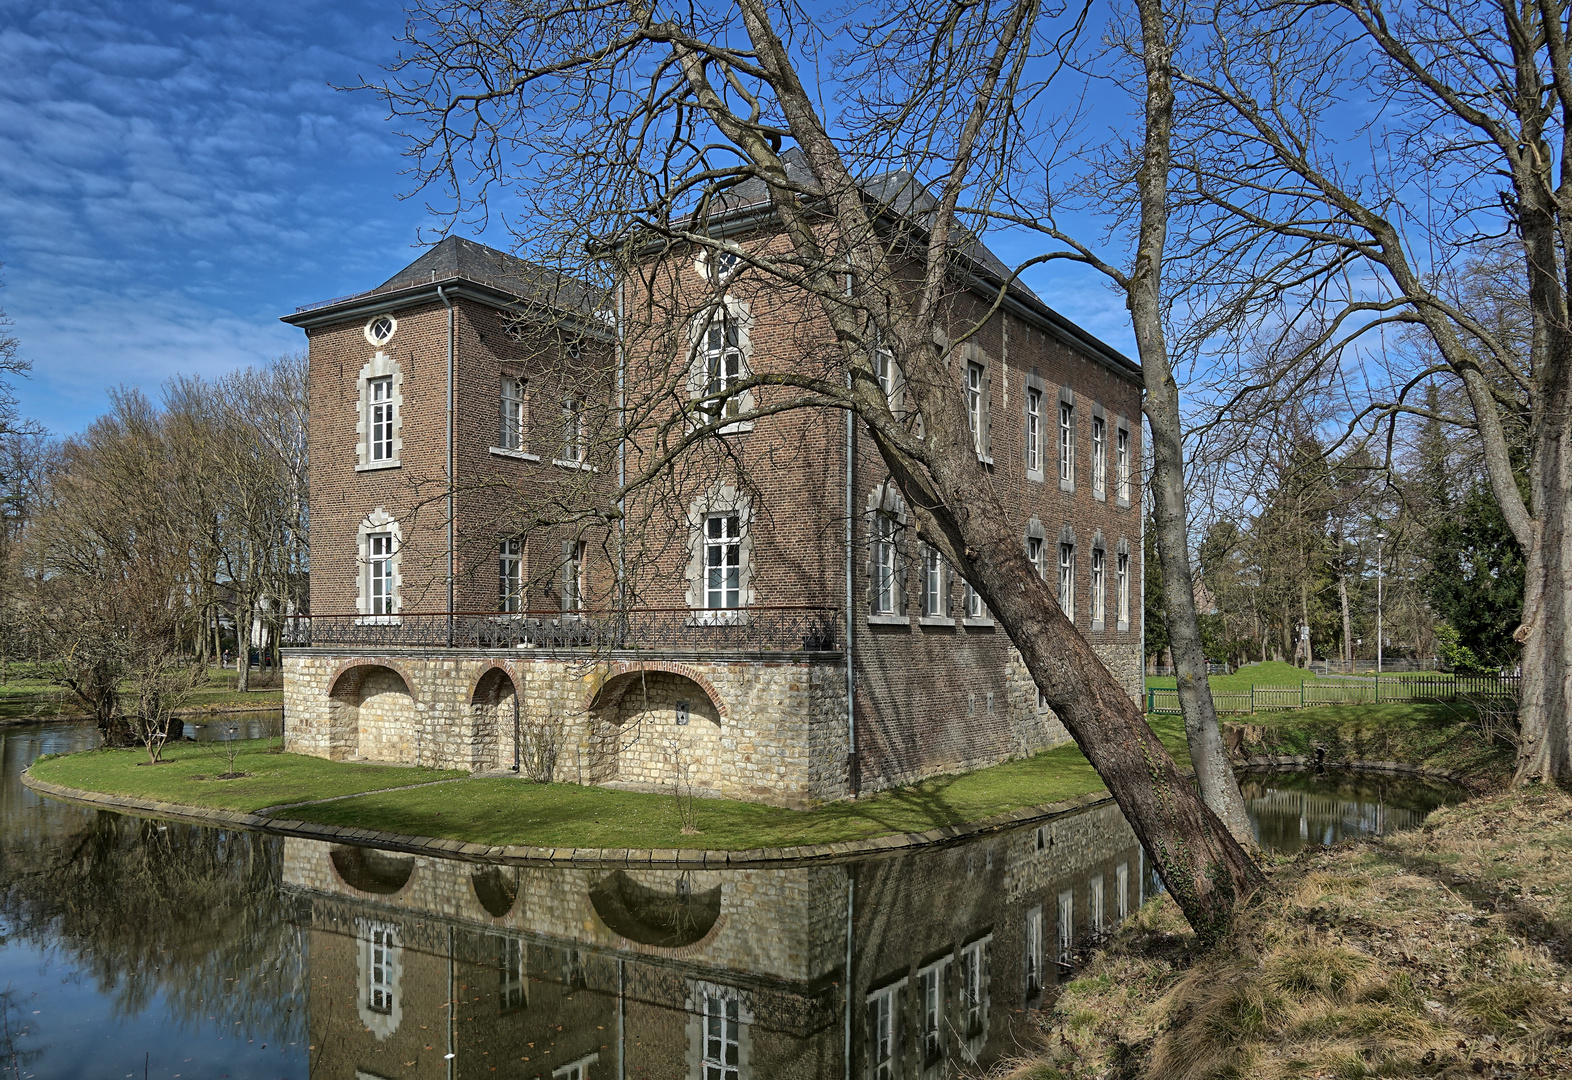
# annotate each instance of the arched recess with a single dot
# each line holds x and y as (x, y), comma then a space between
(491, 705)
(371, 713)
(659, 725)
(651, 916)
(497, 889)
(370, 870)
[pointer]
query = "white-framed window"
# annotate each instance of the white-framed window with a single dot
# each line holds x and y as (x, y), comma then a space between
(1122, 464)
(1036, 549)
(1032, 961)
(382, 412)
(972, 603)
(514, 416)
(1067, 580)
(885, 555)
(974, 990)
(1122, 891)
(933, 605)
(1122, 575)
(1099, 601)
(382, 988)
(722, 1057)
(1066, 927)
(1034, 430)
(573, 590)
(1094, 905)
(882, 1026)
(723, 561)
(1066, 444)
(1099, 457)
(575, 1070)
(512, 976)
(975, 418)
(380, 330)
(381, 593)
(573, 434)
(510, 575)
(930, 1005)
(724, 364)
(884, 371)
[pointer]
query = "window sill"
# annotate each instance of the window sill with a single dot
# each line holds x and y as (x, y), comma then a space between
(1100, 496)
(1036, 477)
(1122, 503)
(373, 466)
(985, 459)
(1124, 627)
(890, 619)
(1099, 627)
(937, 622)
(978, 624)
(1067, 485)
(582, 466)
(379, 620)
(517, 455)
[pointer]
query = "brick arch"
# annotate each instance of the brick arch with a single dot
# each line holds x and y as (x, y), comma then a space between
(620, 679)
(494, 665)
(395, 666)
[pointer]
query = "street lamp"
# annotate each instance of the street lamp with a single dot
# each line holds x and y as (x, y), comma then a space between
(1380, 632)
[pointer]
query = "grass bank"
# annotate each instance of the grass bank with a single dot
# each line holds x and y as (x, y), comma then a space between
(1272, 673)
(512, 811)
(1443, 952)
(27, 696)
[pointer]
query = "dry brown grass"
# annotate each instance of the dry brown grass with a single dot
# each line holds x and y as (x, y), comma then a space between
(1442, 952)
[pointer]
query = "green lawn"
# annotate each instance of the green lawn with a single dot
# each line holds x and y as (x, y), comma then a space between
(188, 770)
(512, 811)
(1273, 672)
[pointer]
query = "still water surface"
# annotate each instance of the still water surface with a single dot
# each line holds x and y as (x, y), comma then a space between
(130, 948)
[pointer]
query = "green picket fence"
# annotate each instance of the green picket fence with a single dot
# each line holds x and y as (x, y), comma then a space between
(1366, 691)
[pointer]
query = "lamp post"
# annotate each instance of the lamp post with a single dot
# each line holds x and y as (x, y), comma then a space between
(1380, 631)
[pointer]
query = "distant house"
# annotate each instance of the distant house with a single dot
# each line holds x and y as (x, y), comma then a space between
(706, 638)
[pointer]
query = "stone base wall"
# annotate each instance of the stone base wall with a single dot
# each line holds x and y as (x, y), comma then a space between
(759, 728)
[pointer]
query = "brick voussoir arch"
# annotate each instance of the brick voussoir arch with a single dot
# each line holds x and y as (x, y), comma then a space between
(622, 669)
(494, 665)
(395, 666)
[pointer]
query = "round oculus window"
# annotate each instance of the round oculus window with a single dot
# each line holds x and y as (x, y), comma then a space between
(380, 330)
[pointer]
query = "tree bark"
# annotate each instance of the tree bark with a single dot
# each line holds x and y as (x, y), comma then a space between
(1208, 754)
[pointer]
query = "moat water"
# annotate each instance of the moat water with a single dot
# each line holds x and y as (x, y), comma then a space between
(131, 948)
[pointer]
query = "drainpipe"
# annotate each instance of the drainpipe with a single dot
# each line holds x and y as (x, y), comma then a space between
(622, 450)
(851, 675)
(449, 304)
(846, 987)
(517, 691)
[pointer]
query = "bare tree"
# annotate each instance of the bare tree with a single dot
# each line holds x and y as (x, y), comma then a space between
(638, 129)
(1472, 122)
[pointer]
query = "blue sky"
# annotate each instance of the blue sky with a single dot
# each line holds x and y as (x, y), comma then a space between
(174, 177)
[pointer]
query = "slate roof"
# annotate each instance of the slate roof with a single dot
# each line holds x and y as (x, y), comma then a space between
(456, 257)
(898, 192)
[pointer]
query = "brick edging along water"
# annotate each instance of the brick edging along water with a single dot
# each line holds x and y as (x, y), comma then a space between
(525, 854)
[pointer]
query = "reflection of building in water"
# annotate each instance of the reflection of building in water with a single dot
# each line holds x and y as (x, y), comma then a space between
(595, 974)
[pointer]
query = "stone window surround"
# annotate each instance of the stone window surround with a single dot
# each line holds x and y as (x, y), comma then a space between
(886, 499)
(1122, 424)
(945, 620)
(1066, 397)
(1033, 382)
(720, 499)
(380, 366)
(1067, 539)
(1123, 548)
(937, 973)
(1036, 531)
(891, 993)
(1098, 625)
(520, 452)
(698, 362)
(698, 992)
(380, 1024)
(1098, 413)
(972, 353)
(378, 521)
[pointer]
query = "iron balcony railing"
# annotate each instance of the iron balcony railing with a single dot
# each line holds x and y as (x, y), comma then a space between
(753, 629)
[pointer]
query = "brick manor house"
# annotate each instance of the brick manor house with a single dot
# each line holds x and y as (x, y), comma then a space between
(787, 641)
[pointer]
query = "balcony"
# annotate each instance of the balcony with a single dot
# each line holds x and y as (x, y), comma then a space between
(754, 629)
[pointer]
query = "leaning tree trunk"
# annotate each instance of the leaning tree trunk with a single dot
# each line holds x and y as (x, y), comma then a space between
(1208, 754)
(242, 648)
